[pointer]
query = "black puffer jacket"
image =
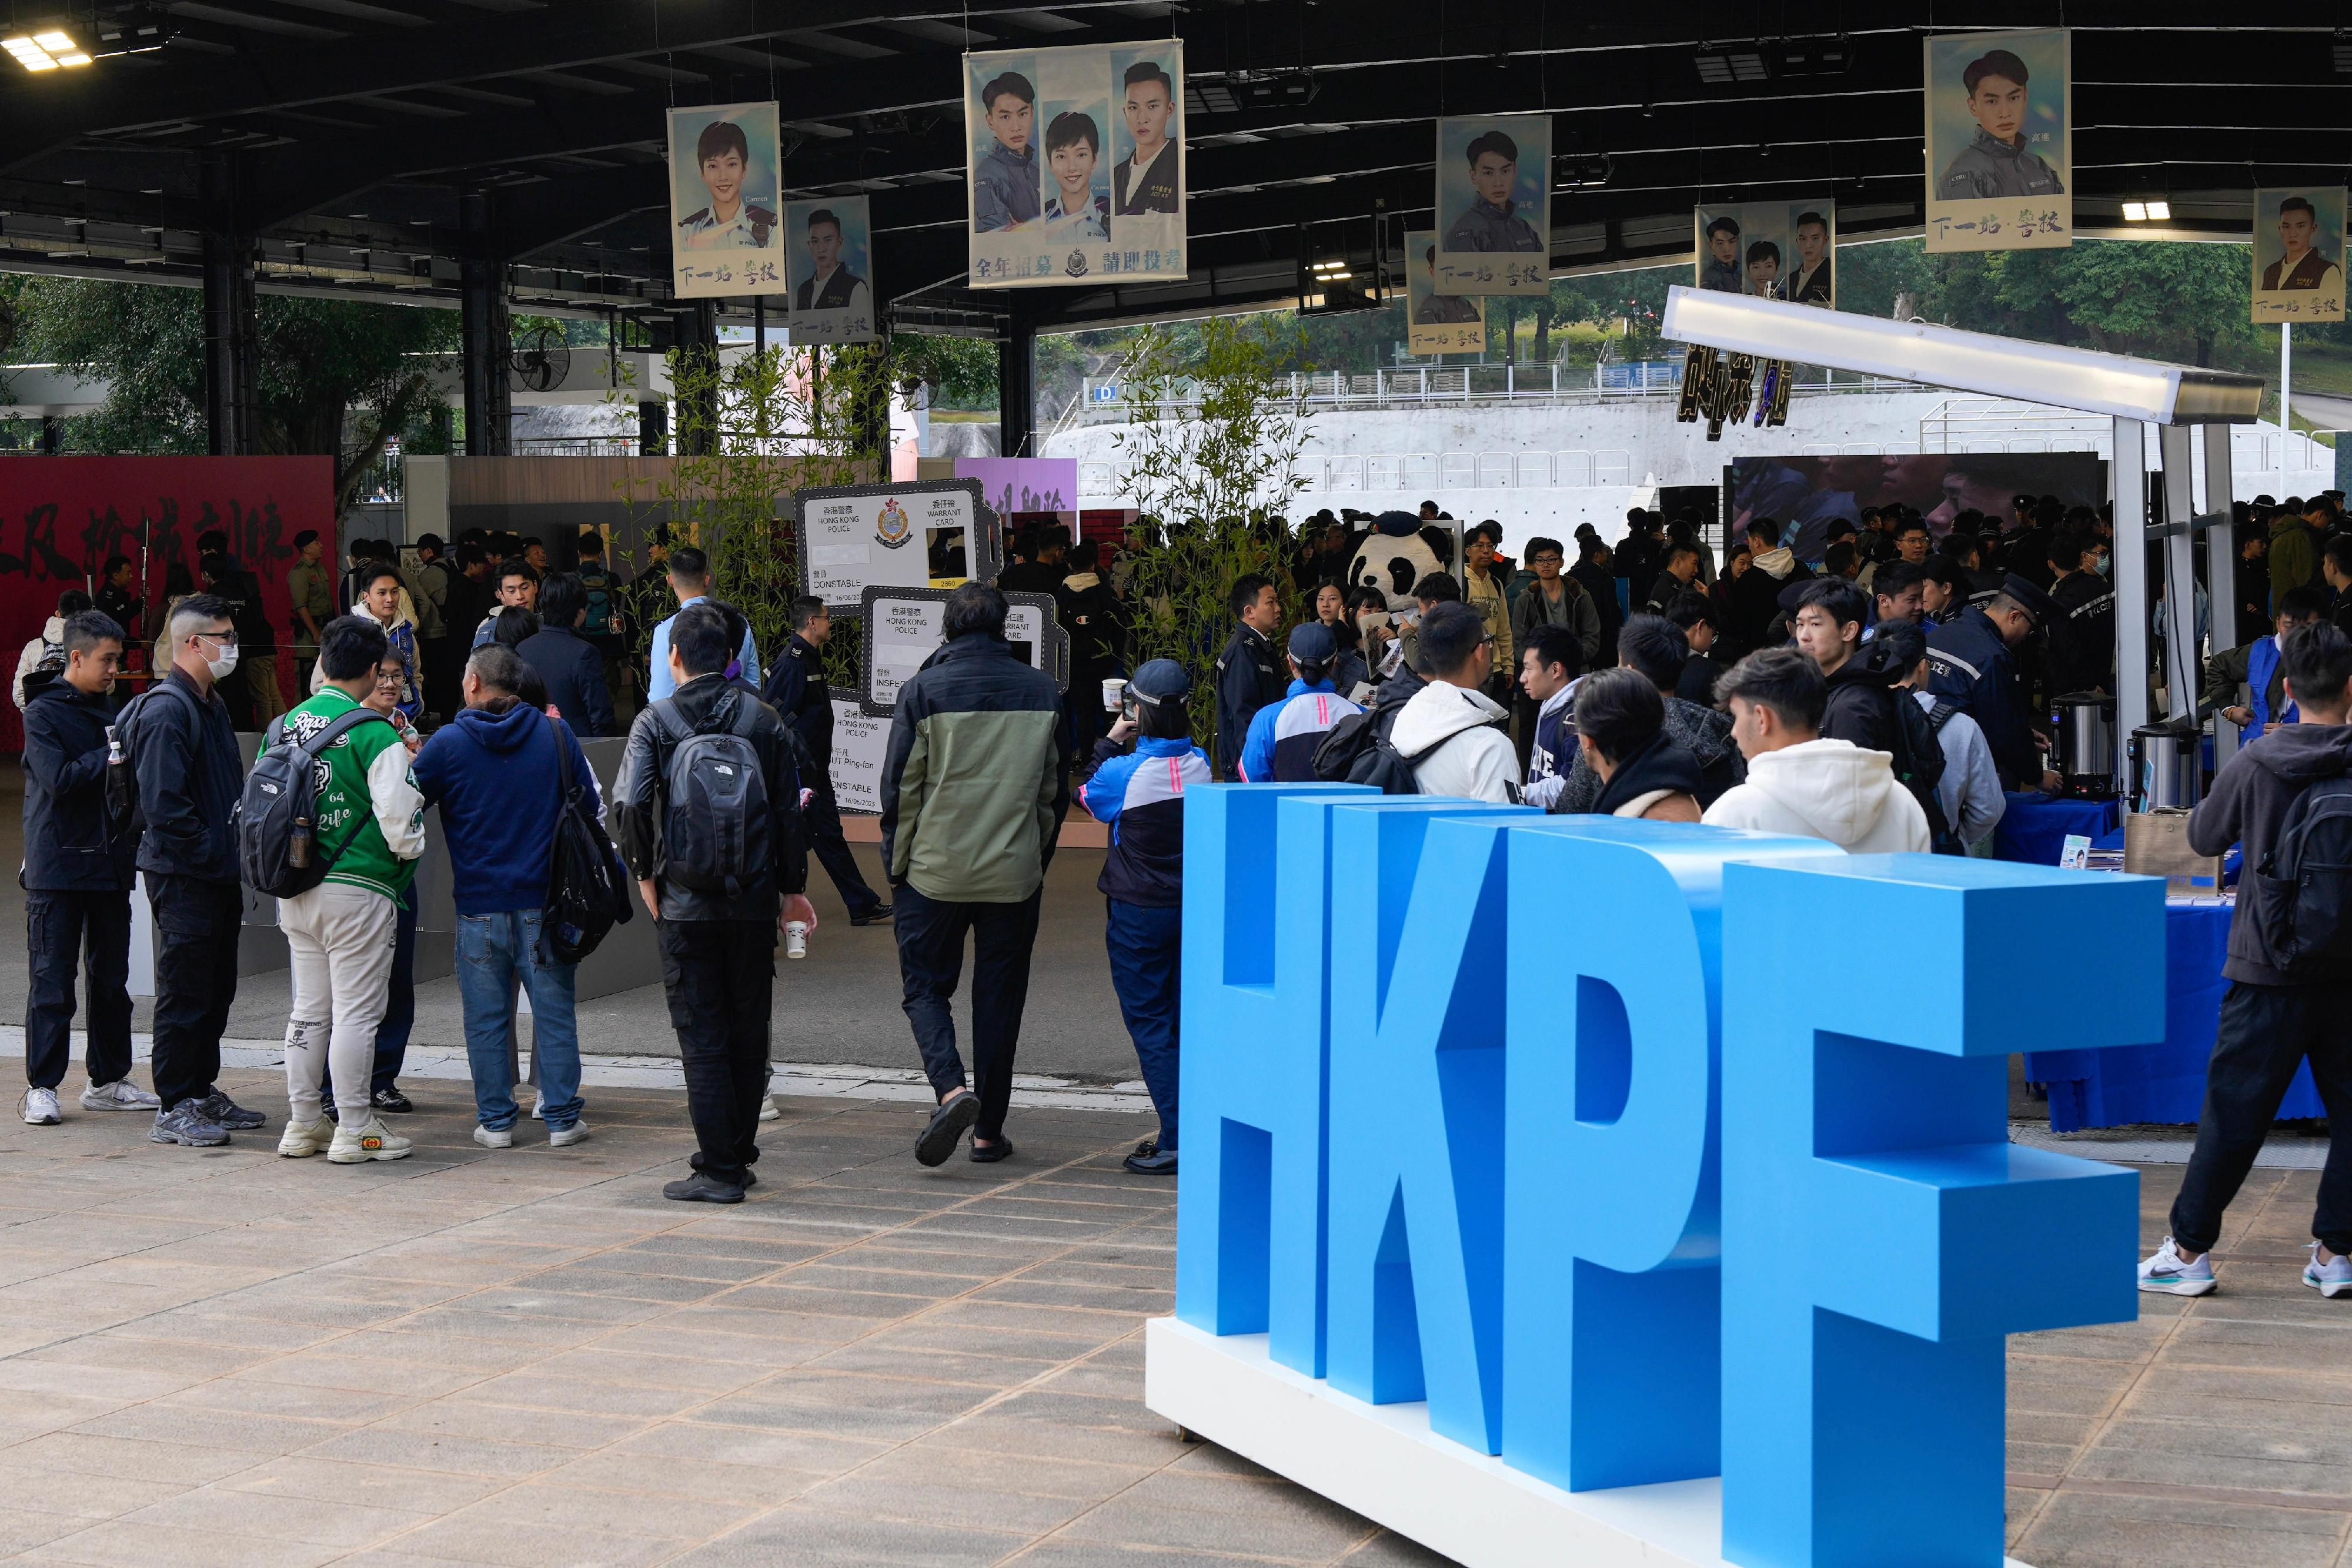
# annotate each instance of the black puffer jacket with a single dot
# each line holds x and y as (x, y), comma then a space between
(190, 775)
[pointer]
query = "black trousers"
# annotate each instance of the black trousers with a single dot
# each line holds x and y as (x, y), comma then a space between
(823, 819)
(931, 962)
(2266, 1032)
(720, 977)
(196, 924)
(63, 930)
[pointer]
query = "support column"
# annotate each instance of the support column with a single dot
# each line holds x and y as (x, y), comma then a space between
(232, 322)
(1016, 387)
(2182, 667)
(2220, 565)
(698, 397)
(2128, 474)
(485, 331)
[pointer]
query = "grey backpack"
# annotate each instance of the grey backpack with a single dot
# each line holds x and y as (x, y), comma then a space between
(715, 827)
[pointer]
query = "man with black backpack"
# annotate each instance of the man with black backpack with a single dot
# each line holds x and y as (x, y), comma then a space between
(2287, 800)
(366, 833)
(706, 812)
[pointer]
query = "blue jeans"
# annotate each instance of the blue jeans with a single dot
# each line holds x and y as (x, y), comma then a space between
(493, 952)
(1146, 943)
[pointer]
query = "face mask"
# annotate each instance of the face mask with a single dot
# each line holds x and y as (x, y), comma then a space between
(221, 666)
(2103, 563)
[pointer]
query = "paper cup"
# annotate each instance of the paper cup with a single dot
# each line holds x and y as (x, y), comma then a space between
(1114, 690)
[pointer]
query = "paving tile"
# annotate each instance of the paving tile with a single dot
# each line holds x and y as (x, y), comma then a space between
(219, 1511)
(475, 1538)
(810, 1539)
(376, 1486)
(2089, 1530)
(118, 1544)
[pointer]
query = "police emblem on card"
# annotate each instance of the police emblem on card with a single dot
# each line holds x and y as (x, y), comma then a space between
(893, 528)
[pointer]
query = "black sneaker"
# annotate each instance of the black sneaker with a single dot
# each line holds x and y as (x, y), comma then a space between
(946, 1129)
(186, 1124)
(219, 1109)
(989, 1154)
(877, 916)
(392, 1100)
(700, 1188)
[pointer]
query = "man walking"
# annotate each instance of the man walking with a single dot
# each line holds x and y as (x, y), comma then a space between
(972, 797)
(76, 880)
(185, 755)
(495, 770)
(689, 578)
(707, 810)
(798, 691)
(341, 934)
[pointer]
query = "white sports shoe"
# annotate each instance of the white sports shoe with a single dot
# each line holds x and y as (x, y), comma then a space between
(564, 1137)
(2166, 1275)
(40, 1107)
(2331, 1279)
(120, 1096)
(299, 1143)
(771, 1109)
(494, 1138)
(357, 1145)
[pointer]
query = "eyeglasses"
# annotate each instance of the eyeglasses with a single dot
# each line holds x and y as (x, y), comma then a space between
(1543, 560)
(217, 639)
(390, 677)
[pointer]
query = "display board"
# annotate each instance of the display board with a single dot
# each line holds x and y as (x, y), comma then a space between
(1494, 204)
(1438, 323)
(1773, 250)
(1009, 485)
(920, 534)
(2000, 140)
(830, 264)
(1808, 494)
(861, 745)
(1076, 163)
(2299, 254)
(726, 234)
(902, 629)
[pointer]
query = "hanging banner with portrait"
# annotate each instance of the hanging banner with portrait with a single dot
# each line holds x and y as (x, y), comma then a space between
(1438, 323)
(1076, 164)
(726, 234)
(2000, 140)
(2299, 254)
(1494, 204)
(1771, 250)
(830, 264)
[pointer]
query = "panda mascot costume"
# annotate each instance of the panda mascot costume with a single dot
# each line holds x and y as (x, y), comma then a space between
(1400, 551)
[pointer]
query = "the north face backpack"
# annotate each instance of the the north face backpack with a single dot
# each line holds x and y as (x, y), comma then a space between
(2302, 892)
(715, 818)
(277, 818)
(587, 887)
(598, 582)
(1358, 750)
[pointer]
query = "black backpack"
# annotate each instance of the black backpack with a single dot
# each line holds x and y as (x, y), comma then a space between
(715, 824)
(1358, 750)
(587, 887)
(2302, 892)
(1919, 765)
(277, 817)
(124, 818)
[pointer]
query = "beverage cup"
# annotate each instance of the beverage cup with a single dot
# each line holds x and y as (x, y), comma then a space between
(796, 938)
(1113, 689)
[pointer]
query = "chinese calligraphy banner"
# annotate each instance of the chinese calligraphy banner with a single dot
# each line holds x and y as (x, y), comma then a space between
(831, 270)
(2000, 140)
(1494, 204)
(2299, 254)
(727, 236)
(1438, 323)
(1772, 250)
(1076, 164)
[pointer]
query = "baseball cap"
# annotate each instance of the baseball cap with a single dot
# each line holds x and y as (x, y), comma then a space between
(1160, 681)
(1313, 643)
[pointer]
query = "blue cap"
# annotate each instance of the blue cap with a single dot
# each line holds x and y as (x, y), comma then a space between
(1159, 681)
(1313, 643)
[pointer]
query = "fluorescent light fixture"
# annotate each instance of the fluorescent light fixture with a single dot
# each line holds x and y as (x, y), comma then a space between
(2134, 212)
(2046, 373)
(45, 51)
(56, 43)
(2160, 211)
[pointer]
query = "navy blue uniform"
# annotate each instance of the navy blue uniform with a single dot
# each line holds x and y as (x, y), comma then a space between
(1970, 666)
(1248, 677)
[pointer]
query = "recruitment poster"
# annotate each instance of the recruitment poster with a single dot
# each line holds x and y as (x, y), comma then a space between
(726, 234)
(831, 269)
(2000, 148)
(1494, 204)
(2299, 254)
(904, 626)
(861, 745)
(856, 536)
(1769, 250)
(1076, 164)
(1438, 323)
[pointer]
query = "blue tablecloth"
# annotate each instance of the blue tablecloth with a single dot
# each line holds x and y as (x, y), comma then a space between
(2034, 827)
(2160, 1082)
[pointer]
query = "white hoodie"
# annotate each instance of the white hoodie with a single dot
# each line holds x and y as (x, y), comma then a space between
(1447, 734)
(1829, 789)
(53, 635)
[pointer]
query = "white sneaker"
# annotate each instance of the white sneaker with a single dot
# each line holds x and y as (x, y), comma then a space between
(300, 1141)
(2166, 1275)
(564, 1137)
(2331, 1279)
(494, 1138)
(120, 1096)
(539, 1107)
(357, 1145)
(40, 1108)
(772, 1109)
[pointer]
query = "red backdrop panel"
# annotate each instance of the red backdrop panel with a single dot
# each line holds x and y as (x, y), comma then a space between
(62, 518)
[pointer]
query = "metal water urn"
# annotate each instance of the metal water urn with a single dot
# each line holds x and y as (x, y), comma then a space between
(2163, 767)
(2084, 749)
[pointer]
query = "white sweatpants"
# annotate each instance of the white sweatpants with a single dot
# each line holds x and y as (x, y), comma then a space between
(341, 938)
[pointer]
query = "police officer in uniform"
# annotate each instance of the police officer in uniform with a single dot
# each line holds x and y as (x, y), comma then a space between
(728, 223)
(1996, 161)
(2082, 628)
(1249, 676)
(1972, 663)
(832, 287)
(1443, 309)
(1492, 221)
(798, 691)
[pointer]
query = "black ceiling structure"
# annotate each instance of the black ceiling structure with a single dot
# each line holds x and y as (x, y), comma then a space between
(416, 148)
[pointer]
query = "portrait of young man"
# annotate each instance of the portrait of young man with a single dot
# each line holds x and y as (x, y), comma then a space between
(1811, 282)
(1004, 192)
(2300, 263)
(1998, 162)
(830, 286)
(1718, 266)
(1492, 221)
(1147, 180)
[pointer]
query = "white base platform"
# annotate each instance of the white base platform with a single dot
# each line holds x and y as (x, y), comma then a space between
(1383, 1461)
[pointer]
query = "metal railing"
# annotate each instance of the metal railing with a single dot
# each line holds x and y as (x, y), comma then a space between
(1421, 473)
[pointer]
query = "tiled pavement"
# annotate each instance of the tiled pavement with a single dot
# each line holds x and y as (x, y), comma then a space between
(529, 1357)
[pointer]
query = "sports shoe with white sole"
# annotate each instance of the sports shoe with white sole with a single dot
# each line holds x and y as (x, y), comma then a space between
(539, 1107)
(771, 1110)
(40, 1108)
(494, 1137)
(2166, 1275)
(564, 1137)
(300, 1141)
(120, 1096)
(2331, 1279)
(357, 1145)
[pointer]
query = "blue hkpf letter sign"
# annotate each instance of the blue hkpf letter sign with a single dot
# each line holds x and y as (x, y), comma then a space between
(1601, 1138)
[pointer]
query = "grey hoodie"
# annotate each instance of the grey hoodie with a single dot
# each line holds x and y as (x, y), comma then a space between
(2250, 800)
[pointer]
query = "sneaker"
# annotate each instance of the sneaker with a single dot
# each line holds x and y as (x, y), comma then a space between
(40, 1108)
(392, 1101)
(1150, 1159)
(946, 1129)
(357, 1145)
(2331, 1279)
(494, 1137)
(2166, 1275)
(298, 1142)
(564, 1137)
(771, 1109)
(219, 1109)
(120, 1096)
(538, 1107)
(186, 1123)
(700, 1188)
